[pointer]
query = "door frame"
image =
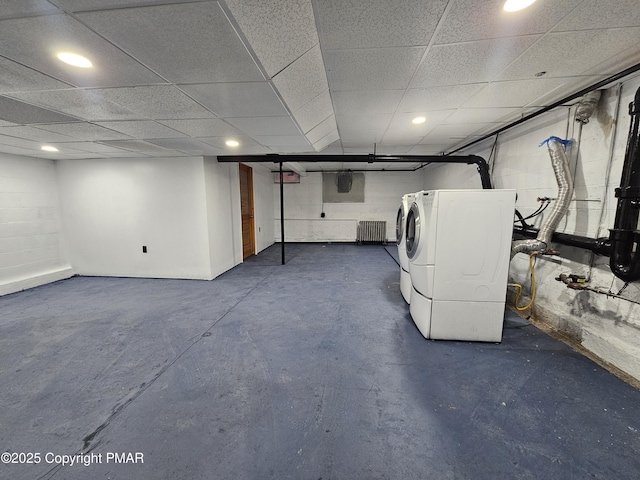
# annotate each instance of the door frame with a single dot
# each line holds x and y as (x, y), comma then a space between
(252, 228)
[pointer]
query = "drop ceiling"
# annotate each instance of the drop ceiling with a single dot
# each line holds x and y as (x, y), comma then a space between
(178, 78)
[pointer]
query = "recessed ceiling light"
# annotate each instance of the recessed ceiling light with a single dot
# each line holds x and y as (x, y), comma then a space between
(418, 120)
(75, 60)
(48, 148)
(232, 143)
(515, 5)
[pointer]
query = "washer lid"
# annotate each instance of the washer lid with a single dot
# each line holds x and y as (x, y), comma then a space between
(412, 231)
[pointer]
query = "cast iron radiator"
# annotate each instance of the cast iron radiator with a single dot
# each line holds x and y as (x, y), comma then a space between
(372, 231)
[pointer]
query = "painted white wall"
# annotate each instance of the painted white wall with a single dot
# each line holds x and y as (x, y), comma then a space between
(607, 327)
(222, 186)
(303, 205)
(112, 207)
(32, 250)
(263, 201)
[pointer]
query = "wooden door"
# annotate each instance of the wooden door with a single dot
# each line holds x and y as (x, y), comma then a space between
(246, 204)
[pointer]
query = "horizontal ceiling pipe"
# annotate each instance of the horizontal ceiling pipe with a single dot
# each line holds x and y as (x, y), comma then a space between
(569, 98)
(366, 158)
(483, 168)
(386, 170)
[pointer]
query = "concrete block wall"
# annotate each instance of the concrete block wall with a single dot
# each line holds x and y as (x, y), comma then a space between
(303, 205)
(32, 248)
(606, 327)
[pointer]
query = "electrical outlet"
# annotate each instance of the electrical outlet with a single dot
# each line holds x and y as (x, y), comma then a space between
(144, 249)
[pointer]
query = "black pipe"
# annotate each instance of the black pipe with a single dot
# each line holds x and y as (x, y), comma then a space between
(281, 213)
(625, 237)
(600, 246)
(483, 167)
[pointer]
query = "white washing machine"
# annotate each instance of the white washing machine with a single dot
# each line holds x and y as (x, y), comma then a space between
(458, 244)
(405, 277)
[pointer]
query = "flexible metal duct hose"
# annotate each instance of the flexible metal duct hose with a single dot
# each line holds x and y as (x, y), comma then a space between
(586, 107)
(625, 237)
(560, 165)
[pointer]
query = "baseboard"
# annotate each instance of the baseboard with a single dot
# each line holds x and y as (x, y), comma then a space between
(17, 285)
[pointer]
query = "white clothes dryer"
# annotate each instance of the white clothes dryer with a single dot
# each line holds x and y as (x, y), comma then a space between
(458, 244)
(405, 277)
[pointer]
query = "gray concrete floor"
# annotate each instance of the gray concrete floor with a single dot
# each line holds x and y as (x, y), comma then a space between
(312, 370)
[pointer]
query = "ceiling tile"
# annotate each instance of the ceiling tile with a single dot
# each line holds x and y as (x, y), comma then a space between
(372, 69)
(480, 115)
(22, 8)
(31, 133)
(16, 77)
(617, 63)
(434, 149)
(281, 140)
(89, 5)
(401, 124)
(367, 102)
(92, 147)
(314, 112)
(131, 154)
(595, 14)
(377, 23)
(253, 126)
(571, 85)
(20, 142)
(84, 104)
(398, 139)
(588, 49)
(322, 129)
(184, 43)
(18, 150)
(84, 131)
(326, 141)
(302, 80)
(245, 141)
(139, 146)
(206, 127)
(155, 102)
(279, 31)
(335, 148)
(366, 130)
(187, 145)
(437, 98)
(512, 94)
(142, 129)
(287, 149)
(469, 20)
(22, 113)
(471, 62)
(251, 99)
(451, 133)
(42, 37)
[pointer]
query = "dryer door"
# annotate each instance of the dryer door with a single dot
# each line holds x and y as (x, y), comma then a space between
(412, 231)
(400, 225)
